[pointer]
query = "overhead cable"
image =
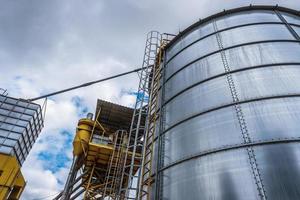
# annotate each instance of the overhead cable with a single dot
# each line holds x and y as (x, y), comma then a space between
(85, 84)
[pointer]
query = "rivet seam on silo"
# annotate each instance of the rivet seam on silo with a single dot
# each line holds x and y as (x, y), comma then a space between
(240, 116)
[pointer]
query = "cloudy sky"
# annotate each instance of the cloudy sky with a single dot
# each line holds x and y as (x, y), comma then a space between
(47, 45)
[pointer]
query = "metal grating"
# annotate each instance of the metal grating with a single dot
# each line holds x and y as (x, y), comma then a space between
(20, 124)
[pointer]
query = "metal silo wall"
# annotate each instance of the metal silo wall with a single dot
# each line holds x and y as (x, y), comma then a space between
(231, 110)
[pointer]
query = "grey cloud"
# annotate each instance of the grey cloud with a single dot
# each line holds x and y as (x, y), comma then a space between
(28, 29)
(35, 32)
(51, 35)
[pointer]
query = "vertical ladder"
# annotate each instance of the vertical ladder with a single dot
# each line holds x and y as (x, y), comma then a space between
(109, 178)
(147, 178)
(112, 178)
(130, 174)
(120, 164)
(146, 170)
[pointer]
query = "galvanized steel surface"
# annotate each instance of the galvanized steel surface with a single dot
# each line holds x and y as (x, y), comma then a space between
(232, 109)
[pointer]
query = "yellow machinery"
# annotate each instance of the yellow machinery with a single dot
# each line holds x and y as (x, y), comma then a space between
(99, 151)
(12, 182)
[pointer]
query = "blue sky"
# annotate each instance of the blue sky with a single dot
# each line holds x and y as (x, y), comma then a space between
(54, 161)
(50, 45)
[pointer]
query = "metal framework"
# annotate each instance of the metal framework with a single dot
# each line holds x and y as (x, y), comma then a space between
(146, 176)
(130, 175)
(97, 182)
(3, 91)
(99, 162)
(114, 172)
(20, 123)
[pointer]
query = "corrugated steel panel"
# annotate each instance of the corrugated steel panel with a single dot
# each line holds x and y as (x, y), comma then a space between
(231, 109)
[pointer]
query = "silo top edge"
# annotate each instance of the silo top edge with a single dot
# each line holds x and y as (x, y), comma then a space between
(230, 11)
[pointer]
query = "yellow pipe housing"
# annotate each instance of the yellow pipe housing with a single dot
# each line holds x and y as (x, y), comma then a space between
(82, 137)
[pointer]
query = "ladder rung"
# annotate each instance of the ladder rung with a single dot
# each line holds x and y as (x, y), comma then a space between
(157, 73)
(147, 162)
(149, 180)
(146, 169)
(150, 135)
(148, 153)
(145, 193)
(149, 145)
(133, 165)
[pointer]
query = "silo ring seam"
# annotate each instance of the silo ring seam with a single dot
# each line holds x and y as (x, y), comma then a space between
(225, 73)
(229, 28)
(222, 30)
(290, 95)
(226, 29)
(231, 47)
(232, 147)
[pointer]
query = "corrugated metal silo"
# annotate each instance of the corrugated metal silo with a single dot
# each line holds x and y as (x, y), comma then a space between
(231, 108)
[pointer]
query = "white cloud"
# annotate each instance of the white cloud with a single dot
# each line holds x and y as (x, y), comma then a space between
(40, 182)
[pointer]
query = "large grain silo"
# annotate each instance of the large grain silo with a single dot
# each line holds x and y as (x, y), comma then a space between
(230, 126)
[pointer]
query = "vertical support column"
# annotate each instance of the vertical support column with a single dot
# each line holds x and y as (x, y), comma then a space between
(72, 175)
(89, 182)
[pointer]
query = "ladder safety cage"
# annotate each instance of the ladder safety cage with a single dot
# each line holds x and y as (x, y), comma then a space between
(146, 177)
(131, 170)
